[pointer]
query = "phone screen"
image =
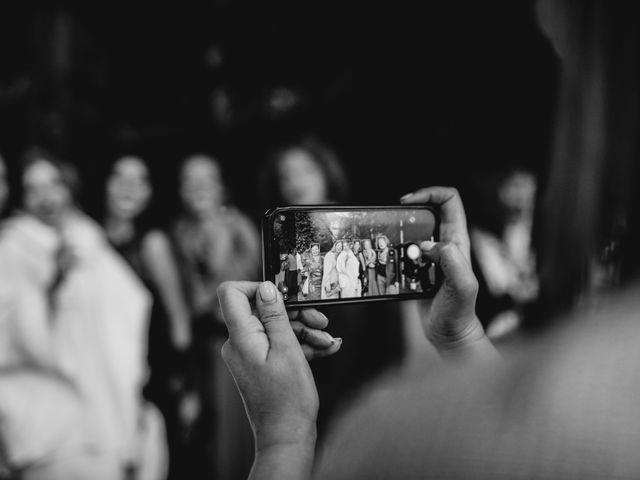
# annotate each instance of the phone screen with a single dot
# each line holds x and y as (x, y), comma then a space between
(346, 254)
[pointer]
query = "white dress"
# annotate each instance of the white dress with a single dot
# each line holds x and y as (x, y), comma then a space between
(348, 267)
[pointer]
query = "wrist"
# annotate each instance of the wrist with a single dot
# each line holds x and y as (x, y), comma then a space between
(466, 343)
(283, 434)
(287, 453)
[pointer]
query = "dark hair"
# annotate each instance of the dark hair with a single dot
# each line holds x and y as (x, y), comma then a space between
(591, 200)
(149, 218)
(322, 154)
(68, 171)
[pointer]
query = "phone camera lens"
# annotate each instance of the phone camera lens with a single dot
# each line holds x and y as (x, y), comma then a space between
(282, 218)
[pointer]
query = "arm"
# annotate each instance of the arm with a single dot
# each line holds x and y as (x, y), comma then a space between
(162, 267)
(273, 376)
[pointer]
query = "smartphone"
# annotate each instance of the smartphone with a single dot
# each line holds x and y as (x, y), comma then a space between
(321, 255)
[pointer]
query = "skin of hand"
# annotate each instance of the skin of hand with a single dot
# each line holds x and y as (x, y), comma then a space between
(265, 356)
(449, 319)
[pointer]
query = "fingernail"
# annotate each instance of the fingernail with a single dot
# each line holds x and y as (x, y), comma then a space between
(268, 292)
(330, 337)
(323, 316)
(406, 197)
(428, 245)
(338, 340)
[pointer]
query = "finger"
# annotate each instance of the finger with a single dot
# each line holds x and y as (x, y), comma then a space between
(310, 317)
(453, 220)
(273, 315)
(310, 353)
(235, 302)
(456, 269)
(311, 336)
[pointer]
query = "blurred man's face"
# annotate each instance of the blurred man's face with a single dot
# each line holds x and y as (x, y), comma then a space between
(315, 250)
(4, 186)
(201, 187)
(301, 179)
(338, 247)
(128, 188)
(45, 194)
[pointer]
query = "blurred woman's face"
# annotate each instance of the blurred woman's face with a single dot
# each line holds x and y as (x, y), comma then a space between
(315, 250)
(201, 187)
(46, 196)
(356, 247)
(128, 188)
(301, 179)
(4, 185)
(518, 192)
(338, 247)
(367, 244)
(382, 243)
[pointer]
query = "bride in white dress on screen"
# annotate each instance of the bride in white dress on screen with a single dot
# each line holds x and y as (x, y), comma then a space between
(348, 267)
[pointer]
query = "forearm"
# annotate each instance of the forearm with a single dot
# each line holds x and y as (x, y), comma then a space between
(284, 462)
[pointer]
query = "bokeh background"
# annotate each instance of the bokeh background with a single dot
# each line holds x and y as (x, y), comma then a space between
(408, 94)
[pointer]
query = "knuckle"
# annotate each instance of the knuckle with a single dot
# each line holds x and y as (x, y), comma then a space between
(270, 315)
(447, 249)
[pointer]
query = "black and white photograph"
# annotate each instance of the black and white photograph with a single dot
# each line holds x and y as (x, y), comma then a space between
(351, 254)
(331, 240)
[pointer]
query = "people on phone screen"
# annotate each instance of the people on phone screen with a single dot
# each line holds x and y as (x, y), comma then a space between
(331, 279)
(370, 258)
(348, 267)
(362, 268)
(382, 244)
(312, 273)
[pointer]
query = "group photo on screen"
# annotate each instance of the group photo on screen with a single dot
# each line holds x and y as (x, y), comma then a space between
(332, 255)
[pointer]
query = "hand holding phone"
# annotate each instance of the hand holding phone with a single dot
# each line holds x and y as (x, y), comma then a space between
(449, 320)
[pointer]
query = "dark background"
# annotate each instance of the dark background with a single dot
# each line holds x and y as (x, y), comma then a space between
(409, 94)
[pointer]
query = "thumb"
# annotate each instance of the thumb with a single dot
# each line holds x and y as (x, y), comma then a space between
(273, 315)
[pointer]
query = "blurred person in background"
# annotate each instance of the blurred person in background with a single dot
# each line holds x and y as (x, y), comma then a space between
(215, 242)
(148, 250)
(501, 221)
(306, 170)
(74, 321)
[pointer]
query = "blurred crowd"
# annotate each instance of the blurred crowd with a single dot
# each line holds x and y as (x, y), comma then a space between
(111, 326)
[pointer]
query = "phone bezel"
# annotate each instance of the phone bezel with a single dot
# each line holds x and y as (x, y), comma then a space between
(267, 236)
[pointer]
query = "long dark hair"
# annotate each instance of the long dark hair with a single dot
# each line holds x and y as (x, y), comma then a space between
(591, 203)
